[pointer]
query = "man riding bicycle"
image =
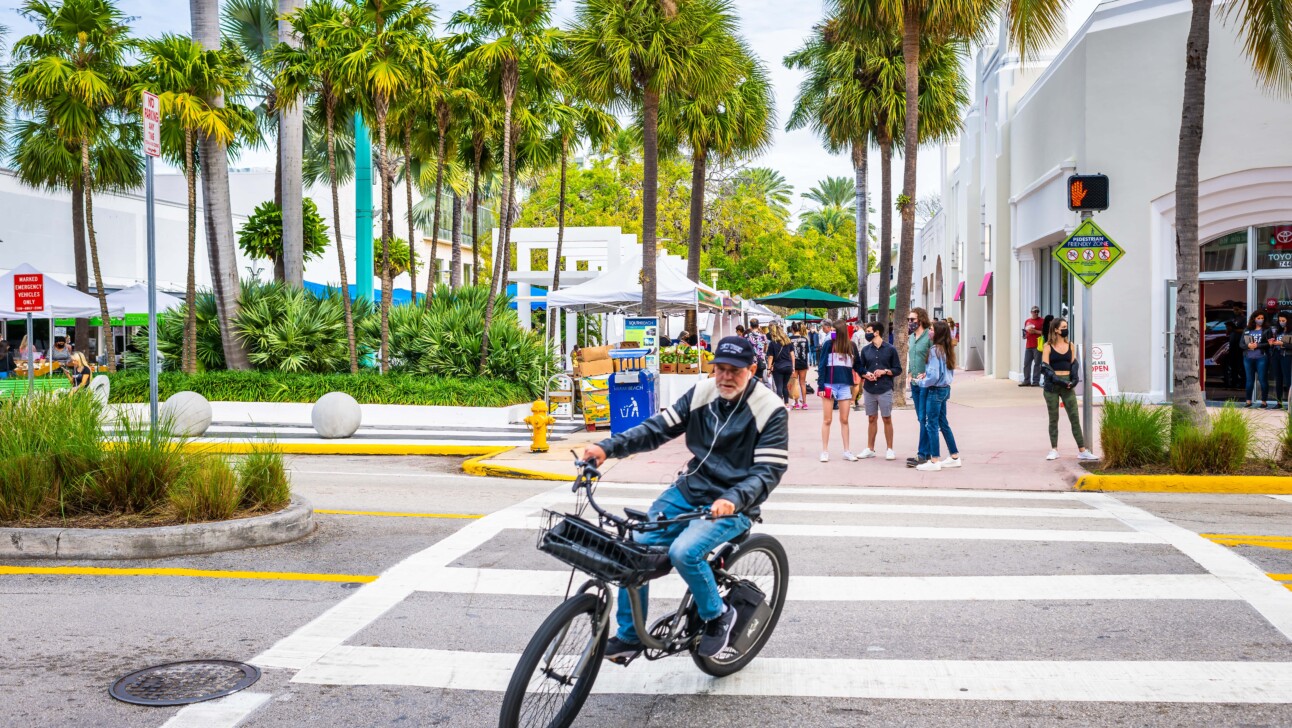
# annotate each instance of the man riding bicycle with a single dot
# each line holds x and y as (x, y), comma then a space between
(738, 435)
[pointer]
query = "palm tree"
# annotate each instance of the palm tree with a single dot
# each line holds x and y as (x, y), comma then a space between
(826, 220)
(504, 38)
(839, 193)
(216, 204)
(479, 126)
(312, 69)
(1267, 39)
(73, 71)
(636, 52)
(291, 143)
(184, 76)
(1030, 23)
(768, 184)
(733, 123)
(385, 50)
(439, 94)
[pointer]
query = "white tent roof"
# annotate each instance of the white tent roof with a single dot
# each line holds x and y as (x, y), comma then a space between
(621, 288)
(60, 301)
(135, 300)
(753, 307)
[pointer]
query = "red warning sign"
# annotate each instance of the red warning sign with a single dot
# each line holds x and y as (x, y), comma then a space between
(29, 292)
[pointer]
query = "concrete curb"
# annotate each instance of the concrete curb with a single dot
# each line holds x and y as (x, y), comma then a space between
(1236, 484)
(479, 466)
(340, 448)
(293, 522)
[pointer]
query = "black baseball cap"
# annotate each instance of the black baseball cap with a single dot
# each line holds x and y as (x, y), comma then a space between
(735, 351)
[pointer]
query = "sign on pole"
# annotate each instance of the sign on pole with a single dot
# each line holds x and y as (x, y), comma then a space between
(152, 125)
(1088, 253)
(29, 292)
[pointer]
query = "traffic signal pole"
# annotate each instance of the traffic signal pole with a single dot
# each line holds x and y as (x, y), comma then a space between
(1087, 346)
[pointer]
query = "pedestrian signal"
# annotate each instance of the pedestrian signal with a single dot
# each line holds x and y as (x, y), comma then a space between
(1088, 192)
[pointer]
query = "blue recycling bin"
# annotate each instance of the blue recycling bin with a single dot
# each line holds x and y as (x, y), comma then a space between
(632, 399)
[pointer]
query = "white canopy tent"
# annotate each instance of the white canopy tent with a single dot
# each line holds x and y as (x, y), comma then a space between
(61, 301)
(620, 289)
(135, 300)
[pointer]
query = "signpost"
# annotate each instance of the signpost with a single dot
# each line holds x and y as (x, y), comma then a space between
(152, 149)
(1087, 254)
(29, 298)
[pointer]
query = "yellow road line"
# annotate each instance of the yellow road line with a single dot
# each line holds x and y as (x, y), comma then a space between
(1237, 484)
(201, 573)
(1280, 577)
(396, 514)
(1237, 539)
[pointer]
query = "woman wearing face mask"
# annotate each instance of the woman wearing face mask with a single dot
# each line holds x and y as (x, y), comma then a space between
(1059, 360)
(1255, 344)
(838, 361)
(1280, 353)
(800, 344)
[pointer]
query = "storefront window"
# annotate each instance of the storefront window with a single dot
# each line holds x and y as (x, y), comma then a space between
(1226, 254)
(1274, 295)
(1274, 247)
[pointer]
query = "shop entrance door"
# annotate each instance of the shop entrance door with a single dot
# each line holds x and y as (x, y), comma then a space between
(1224, 313)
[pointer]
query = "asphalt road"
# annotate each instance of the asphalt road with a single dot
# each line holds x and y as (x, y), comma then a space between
(906, 608)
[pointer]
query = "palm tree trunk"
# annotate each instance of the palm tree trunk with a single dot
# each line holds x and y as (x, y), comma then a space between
(99, 286)
(1187, 396)
(906, 254)
(408, 200)
(475, 215)
(699, 168)
(216, 204)
(280, 268)
(885, 229)
(455, 261)
(504, 211)
(650, 189)
(291, 145)
(442, 124)
(560, 219)
(512, 215)
(859, 165)
(188, 361)
(340, 244)
(387, 228)
(79, 256)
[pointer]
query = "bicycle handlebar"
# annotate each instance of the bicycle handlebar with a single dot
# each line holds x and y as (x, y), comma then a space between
(586, 479)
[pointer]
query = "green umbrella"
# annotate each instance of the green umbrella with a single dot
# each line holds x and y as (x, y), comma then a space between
(802, 316)
(892, 303)
(806, 298)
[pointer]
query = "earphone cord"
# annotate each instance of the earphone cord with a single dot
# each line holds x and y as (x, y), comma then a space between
(722, 427)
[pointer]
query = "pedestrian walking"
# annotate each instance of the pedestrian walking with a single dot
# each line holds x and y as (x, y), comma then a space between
(936, 381)
(917, 358)
(859, 339)
(780, 360)
(839, 362)
(801, 349)
(1255, 343)
(754, 334)
(1060, 361)
(1280, 365)
(880, 363)
(1032, 332)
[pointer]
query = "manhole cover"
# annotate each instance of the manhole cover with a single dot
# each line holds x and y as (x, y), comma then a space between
(181, 683)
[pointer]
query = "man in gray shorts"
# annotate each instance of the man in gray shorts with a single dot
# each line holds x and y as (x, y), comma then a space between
(880, 361)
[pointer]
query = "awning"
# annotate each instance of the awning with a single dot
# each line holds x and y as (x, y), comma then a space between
(960, 291)
(985, 288)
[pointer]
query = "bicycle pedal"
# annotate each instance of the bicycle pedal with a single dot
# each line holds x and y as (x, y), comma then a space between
(623, 661)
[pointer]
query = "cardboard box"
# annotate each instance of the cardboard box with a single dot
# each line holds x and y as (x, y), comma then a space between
(669, 368)
(597, 368)
(691, 368)
(706, 365)
(594, 353)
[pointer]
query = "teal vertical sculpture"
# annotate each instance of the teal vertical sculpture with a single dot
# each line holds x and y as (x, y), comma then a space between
(362, 208)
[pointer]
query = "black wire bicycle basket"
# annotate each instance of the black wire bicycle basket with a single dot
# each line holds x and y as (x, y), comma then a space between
(598, 552)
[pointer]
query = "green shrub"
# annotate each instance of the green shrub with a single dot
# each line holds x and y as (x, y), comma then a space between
(366, 388)
(139, 470)
(1220, 450)
(210, 493)
(292, 330)
(50, 445)
(1133, 434)
(1285, 442)
(262, 478)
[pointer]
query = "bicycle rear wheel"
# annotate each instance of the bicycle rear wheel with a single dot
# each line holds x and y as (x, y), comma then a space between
(761, 560)
(557, 668)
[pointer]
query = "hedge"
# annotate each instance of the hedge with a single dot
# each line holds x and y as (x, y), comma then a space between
(231, 386)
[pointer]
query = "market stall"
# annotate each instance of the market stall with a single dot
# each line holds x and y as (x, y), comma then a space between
(59, 301)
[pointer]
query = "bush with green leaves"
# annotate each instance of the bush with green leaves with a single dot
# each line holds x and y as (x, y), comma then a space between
(366, 387)
(292, 330)
(261, 237)
(1133, 434)
(399, 252)
(1285, 442)
(1222, 449)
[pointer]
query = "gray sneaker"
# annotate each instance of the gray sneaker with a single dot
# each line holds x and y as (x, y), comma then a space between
(716, 634)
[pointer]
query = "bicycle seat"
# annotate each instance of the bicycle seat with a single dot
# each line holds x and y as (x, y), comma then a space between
(743, 537)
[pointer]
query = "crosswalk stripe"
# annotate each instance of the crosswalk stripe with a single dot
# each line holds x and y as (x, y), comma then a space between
(784, 490)
(1038, 680)
(518, 582)
(977, 511)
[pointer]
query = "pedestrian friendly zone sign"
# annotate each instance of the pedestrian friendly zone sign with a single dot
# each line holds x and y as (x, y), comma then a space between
(1088, 253)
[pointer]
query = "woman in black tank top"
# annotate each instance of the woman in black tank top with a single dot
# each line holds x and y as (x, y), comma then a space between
(1059, 387)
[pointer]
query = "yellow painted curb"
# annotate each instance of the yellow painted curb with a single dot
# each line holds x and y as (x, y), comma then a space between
(339, 448)
(479, 466)
(1236, 484)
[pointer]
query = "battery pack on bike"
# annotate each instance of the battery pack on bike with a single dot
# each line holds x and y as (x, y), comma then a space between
(752, 614)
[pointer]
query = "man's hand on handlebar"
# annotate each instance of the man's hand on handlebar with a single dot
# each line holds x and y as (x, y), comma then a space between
(721, 508)
(594, 455)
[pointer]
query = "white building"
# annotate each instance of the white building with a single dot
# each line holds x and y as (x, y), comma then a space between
(1110, 102)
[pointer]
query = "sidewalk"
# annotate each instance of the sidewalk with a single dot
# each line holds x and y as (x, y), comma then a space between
(1000, 429)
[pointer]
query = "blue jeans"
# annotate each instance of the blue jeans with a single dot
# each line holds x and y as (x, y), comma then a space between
(935, 420)
(918, 399)
(688, 545)
(1256, 373)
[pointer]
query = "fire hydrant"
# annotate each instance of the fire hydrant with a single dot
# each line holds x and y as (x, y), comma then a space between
(539, 422)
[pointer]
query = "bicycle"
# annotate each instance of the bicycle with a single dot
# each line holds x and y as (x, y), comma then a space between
(556, 671)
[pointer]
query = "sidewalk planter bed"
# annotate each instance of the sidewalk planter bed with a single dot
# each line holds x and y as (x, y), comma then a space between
(226, 386)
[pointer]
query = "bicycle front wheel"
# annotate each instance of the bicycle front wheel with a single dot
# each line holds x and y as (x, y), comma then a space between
(761, 560)
(557, 669)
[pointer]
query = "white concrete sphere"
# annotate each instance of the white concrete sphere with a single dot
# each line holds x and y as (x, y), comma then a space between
(189, 413)
(336, 415)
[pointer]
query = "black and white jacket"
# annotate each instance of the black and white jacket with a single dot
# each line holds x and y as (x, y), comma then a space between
(739, 448)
